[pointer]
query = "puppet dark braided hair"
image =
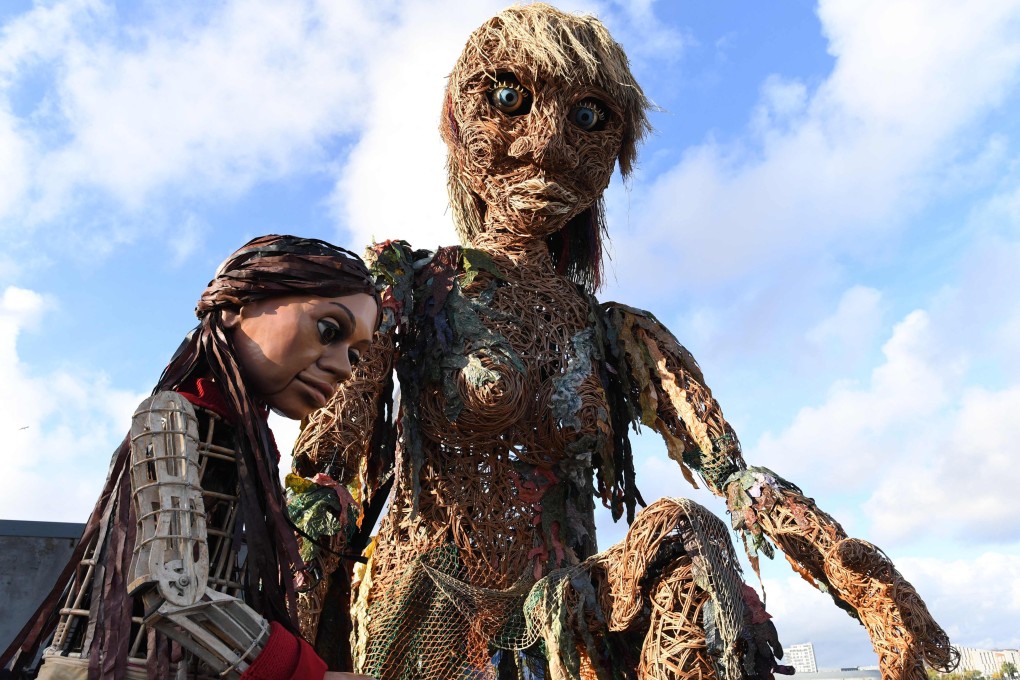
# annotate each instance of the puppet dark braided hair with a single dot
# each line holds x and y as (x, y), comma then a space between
(268, 266)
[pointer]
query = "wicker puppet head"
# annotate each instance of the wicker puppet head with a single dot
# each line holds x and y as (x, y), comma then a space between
(539, 108)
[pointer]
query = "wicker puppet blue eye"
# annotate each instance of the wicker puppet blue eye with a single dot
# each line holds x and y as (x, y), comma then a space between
(589, 115)
(510, 97)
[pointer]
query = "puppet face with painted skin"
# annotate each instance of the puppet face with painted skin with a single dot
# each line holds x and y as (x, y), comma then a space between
(539, 108)
(295, 350)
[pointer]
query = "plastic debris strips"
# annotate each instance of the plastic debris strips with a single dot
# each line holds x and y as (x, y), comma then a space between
(320, 509)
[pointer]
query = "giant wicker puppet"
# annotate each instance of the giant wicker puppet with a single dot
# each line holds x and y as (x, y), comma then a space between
(517, 391)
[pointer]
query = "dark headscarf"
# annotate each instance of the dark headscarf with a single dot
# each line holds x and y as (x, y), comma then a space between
(267, 266)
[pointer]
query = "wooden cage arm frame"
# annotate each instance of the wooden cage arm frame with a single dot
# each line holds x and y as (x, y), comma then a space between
(170, 564)
(674, 400)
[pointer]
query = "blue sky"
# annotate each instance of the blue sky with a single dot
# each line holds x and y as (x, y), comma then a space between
(828, 216)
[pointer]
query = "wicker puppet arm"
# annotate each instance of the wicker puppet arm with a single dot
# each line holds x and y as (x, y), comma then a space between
(170, 564)
(668, 393)
(337, 440)
(347, 442)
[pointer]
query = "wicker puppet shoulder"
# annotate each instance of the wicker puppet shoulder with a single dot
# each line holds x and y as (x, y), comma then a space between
(415, 282)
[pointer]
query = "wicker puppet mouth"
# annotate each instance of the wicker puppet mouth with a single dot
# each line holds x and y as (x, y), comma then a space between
(538, 196)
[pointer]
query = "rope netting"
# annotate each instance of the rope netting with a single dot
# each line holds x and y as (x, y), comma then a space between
(673, 587)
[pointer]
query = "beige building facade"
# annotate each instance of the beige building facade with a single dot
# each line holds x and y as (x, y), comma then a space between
(988, 662)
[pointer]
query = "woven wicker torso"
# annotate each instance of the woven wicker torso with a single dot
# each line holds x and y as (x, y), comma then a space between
(219, 480)
(508, 480)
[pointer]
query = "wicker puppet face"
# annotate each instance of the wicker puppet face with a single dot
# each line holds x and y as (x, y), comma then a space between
(539, 149)
(540, 107)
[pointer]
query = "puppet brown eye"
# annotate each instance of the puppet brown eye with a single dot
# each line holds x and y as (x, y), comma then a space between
(510, 97)
(329, 332)
(589, 115)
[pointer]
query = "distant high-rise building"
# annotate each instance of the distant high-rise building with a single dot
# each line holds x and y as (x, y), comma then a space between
(801, 657)
(987, 661)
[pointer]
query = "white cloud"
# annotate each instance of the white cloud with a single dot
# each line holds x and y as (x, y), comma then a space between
(40, 34)
(842, 165)
(803, 614)
(188, 237)
(983, 307)
(920, 66)
(976, 597)
(59, 427)
(19, 308)
(852, 327)
(931, 434)
(208, 105)
(842, 442)
(967, 489)
(13, 164)
(782, 104)
(394, 183)
(984, 168)
(203, 104)
(647, 39)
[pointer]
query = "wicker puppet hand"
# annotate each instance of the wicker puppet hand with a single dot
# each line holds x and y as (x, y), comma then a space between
(170, 566)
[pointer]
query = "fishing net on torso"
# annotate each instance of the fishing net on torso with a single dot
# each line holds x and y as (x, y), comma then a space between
(664, 603)
(431, 623)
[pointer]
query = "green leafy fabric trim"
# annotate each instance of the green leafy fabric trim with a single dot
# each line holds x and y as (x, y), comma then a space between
(320, 509)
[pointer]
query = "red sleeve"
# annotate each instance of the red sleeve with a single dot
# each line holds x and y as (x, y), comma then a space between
(285, 657)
